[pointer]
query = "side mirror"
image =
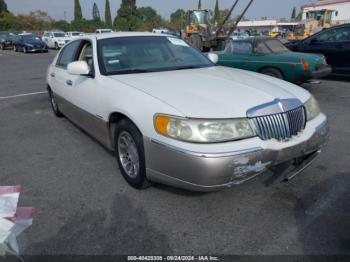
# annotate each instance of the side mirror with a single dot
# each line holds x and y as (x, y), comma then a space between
(213, 57)
(78, 68)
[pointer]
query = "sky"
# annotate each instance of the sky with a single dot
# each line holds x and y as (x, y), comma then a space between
(63, 9)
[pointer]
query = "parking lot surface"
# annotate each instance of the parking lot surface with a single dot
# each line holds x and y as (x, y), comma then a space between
(84, 206)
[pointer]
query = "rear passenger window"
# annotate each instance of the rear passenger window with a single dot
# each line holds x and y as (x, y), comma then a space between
(68, 54)
(242, 48)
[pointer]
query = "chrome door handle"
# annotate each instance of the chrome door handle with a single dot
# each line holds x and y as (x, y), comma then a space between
(69, 82)
(52, 74)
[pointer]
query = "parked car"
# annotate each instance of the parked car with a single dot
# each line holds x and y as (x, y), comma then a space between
(73, 35)
(239, 35)
(29, 43)
(270, 57)
(334, 43)
(6, 40)
(172, 116)
(55, 40)
(103, 31)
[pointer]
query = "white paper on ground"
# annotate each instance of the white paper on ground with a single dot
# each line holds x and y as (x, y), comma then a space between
(8, 204)
(5, 229)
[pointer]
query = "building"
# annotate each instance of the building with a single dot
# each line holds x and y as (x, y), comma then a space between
(266, 26)
(339, 11)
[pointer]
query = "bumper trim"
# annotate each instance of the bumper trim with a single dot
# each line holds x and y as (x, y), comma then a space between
(206, 155)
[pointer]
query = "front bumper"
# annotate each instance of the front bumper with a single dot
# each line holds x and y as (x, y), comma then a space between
(319, 73)
(322, 72)
(36, 50)
(210, 172)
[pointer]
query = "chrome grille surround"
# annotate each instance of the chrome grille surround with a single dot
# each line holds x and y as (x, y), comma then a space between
(280, 119)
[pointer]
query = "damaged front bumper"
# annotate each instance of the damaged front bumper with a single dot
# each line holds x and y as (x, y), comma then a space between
(210, 172)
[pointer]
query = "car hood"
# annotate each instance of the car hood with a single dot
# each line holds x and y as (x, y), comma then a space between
(214, 92)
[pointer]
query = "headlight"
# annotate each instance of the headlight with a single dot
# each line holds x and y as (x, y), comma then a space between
(312, 108)
(203, 130)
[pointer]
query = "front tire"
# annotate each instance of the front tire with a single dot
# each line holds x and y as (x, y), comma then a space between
(15, 48)
(196, 42)
(56, 46)
(130, 154)
(54, 105)
(2, 47)
(272, 72)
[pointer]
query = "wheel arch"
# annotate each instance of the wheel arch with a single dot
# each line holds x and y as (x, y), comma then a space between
(273, 67)
(113, 120)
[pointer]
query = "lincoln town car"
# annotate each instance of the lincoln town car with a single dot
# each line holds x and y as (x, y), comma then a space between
(172, 116)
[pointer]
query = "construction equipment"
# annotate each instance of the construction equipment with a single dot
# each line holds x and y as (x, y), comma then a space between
(315, 22)
(203, 35)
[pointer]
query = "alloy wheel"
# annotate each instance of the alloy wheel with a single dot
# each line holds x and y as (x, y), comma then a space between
(128, 154)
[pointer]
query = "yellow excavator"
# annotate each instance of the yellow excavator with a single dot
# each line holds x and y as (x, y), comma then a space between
(315, 22)
(203, 35)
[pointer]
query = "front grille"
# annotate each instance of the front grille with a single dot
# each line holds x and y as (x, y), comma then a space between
(280, 126)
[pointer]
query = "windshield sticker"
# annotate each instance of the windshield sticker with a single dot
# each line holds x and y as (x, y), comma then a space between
(176, 41)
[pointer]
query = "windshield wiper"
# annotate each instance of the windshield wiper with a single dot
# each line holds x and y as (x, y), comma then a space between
(186, 67)
(129, 71)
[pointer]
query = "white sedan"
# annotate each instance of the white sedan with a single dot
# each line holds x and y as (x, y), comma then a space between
(173, 116)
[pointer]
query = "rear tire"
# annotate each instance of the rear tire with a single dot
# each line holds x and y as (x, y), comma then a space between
(56, 46)
(2, 47)
(130, 154)
(24, 49)
(272, 72)
(15, 48)
(54, 105)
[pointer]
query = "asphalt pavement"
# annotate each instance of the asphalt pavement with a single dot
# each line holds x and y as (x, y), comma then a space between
(84, 206)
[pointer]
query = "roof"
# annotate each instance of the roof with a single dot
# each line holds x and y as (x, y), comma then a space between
(326, 2)
(124, 34)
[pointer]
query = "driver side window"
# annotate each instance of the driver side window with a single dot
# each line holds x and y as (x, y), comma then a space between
(68, 54)
(341, 34)
(86, 54)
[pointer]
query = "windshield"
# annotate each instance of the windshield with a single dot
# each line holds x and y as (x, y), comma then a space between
(128, 55)
(276, 46)
(59, 34)
(199, 17)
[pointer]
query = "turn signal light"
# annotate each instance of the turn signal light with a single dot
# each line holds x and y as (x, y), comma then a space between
(161, 124)
(306, 65)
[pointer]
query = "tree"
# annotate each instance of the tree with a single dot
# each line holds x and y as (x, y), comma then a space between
(96, 13)
(78, 16)
(150, 18)
(294, 13)
(127, 17)
(217, 12)
(199, 4)
(178, 19)
(3, 7)
(108, 17)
